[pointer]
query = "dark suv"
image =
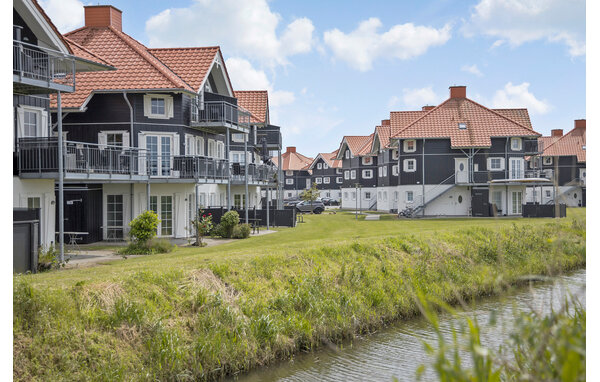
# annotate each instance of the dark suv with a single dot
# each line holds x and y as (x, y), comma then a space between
(316, 207)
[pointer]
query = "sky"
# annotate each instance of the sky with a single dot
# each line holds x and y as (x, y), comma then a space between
(336, 68)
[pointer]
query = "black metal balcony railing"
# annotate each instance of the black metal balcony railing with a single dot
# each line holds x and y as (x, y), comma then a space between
(271, 134)
(533, 147)
(256, 173)
(38, 66)
(219, 113)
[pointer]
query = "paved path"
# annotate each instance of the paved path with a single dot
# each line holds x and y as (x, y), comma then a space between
(91, 257)
(371, 217)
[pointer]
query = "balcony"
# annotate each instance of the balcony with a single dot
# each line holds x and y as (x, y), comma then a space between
(271, 135)
(257, 174)
(37, 70)
(38, 158)
(533, 147)
(217, 116)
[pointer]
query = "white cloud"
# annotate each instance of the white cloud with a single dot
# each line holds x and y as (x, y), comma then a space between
(518, 96)
(280, 98)
(66, 15)
(245, 28)
(473, 69)
(521, 21)
(364, 45)
(417, 98)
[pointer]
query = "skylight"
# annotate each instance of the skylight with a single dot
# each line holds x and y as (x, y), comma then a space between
(462, 125)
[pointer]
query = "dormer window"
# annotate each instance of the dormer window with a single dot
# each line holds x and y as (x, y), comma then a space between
(158, 106)
(347, 154)
(410, 146)
(583, 147)
(515, 144)
(462, 126)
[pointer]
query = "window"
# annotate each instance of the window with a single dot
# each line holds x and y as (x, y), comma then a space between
(33, 202)
(547, 160)
(346, 174)
(384, 170)
(202, 199)
(409, 196)
(395, 196)
(30, 123)
(410, 165)
(517, 202)
(319, 166)
(338, 171)
(289, 194)
(308, 184)
(289, 181)
(289, 173)
(328, 194)
(347, 154)
(497, 200)
(495, 164)
(345, 195)
(367, 160)
(367, 174)
(548, 193)
(159, 152)
(199, 146)
(410, 146)
(338, 179)
(114, 216)
(462, 126)
(221, 150)
(166, 215)
(190, 145)
(395, 169)
(353, 174)
(212, 150)
(380, 171)
(319, 180)
(325, 167)
(516, 168)
(326, 180)
(515, 144)
(367, 195)
(158, 106)
(353, 195)
(239, 201)
(395, 154)
(237, 137)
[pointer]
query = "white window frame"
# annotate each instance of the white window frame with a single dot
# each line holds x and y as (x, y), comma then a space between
(516, 144)
(212, 148)
(320, 166)
(348, 154)
(238, 137)
(41, 129)
(408, 149)
(325, 166)
(200, 146)
(318, 180)
(367, 195)
(380, 171)
(369, 172)
(289, 173)
(491, 160)
(406, 165)
(384, 171)
(289, 181)
(339, 180)
(395, 154)
(409, 196)
(346, 174)
(148, 106)
(352, 174)
(338, 171)
(367, 161)
(395, 171)
(547, 161)
(326, 180)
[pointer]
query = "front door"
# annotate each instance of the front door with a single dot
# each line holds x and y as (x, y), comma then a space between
(461, 171)
(480, 205)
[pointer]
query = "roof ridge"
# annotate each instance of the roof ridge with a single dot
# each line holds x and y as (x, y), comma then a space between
(164, 70)
(561, 138)
(188, 48)
(503, 116)
(427, 112)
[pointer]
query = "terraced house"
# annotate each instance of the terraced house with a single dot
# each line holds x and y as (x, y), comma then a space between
(359, 166)
(44, 63)
(296, 172)
(563, 161)
(327, 174)
(155, 134)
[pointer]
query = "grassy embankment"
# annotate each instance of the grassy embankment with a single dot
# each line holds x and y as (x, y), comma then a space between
(199, 313)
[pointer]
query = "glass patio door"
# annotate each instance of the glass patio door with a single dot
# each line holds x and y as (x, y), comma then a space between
(164, 210)
(517, 202)
(159, 151)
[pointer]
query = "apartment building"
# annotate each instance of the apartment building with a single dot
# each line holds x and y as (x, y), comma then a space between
(359, 166)
(327, 174)
(296, 172)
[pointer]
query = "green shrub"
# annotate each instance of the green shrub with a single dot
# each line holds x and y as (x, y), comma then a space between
(219, 231)
(228, 222)
(149, 248)
(143, 227)
(47, 258)
(241, 231)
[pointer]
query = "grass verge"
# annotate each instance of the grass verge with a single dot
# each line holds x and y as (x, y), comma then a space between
(214, 318)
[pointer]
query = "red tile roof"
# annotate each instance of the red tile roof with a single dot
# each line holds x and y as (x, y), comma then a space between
(383, 134)
(329, 159)
(481, 124)
(82, 52)
(190, 64)
(521, 116)
(570, 144)
(401, 119)
(137, 67)
(358, 143)
(256, 102)
(293, 161)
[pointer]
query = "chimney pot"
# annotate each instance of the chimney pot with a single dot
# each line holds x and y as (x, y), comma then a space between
(385, 122)
(580, 123)
(427, 108)
(458, 92)
(103, 16)
(291, 149)
(557, 132)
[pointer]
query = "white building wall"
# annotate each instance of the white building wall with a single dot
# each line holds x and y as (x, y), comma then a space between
(330, 193)
(506, 193)
(361, 198)
(43, 189)
(387, 198)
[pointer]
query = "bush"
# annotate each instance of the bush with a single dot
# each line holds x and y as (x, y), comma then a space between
(143, 227)
(149, 248)
(219, 231)
(228, 222)
(47, 258)
(241, 231)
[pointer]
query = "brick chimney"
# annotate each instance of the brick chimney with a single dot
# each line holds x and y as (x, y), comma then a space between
(557, 132)
(458, 92)
(103, 16)
(427, 108)
(580, 123)
(290, 149)
(385, 122)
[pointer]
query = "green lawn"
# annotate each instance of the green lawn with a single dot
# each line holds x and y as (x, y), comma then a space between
(316, 231)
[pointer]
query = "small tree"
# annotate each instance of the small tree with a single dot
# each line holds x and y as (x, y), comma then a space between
(203, 226)
(311, 194)
(143, 228)
(229, 221)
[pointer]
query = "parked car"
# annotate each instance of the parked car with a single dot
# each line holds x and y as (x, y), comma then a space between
(291, 202)
(330, 201)
(316, 207)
